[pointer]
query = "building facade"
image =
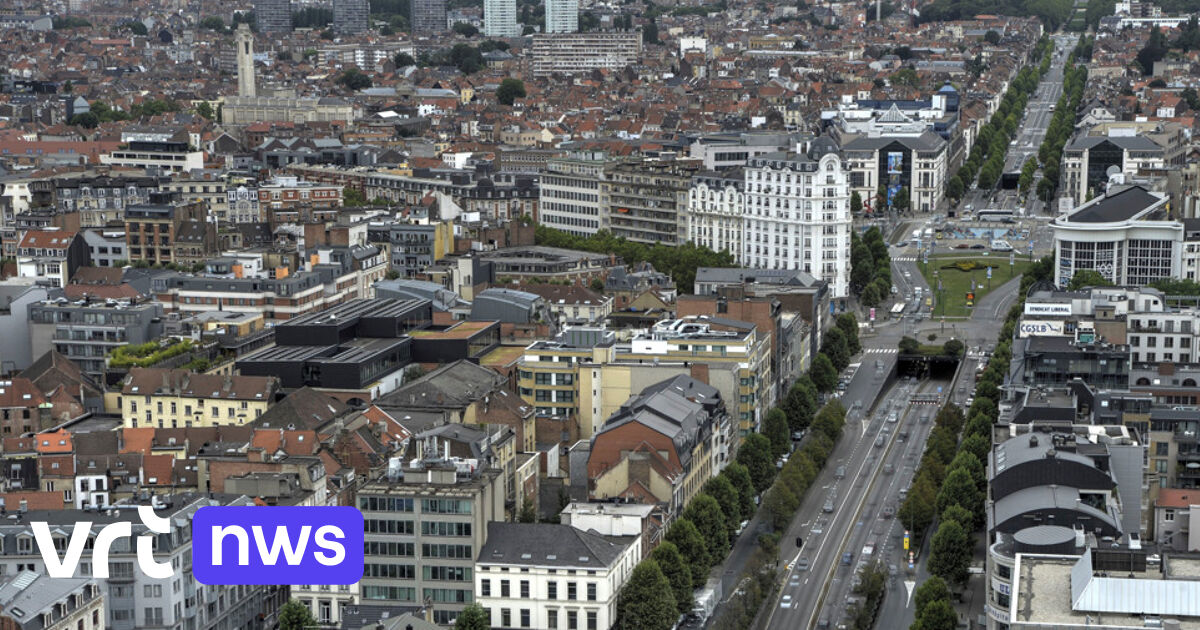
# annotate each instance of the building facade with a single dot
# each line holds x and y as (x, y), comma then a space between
(500, 18)
(569, 197)
(428, 17)
(541, 575)
(716, 204)
(86, 332)
(915, 162)
(572, 53)
(425, 525)
(163, 398)
(350, 17)
(647, 202)
(273, 16)
(798, 215)
(562, 16)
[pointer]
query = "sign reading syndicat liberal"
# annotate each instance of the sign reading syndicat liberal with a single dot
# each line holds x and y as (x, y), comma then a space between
(1044, 308)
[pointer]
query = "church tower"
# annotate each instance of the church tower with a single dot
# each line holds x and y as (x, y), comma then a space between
(244, 40)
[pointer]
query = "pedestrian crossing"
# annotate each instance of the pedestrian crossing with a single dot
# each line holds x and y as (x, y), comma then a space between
(880, 350)
(904, 259)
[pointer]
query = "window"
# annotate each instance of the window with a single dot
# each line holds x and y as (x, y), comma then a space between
(1168, 515)
(485, 588)
(571, 591)
(525, 618)
(1162, 449)
(504, 588)
(524, 589)
(572, 620)
(591, 591)
(505, 618)
(591, 620)
(552, 590)
(552, 619)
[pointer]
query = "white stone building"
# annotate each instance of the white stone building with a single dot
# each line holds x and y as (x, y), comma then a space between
(716, 202)
(538, 575)
(797, 214)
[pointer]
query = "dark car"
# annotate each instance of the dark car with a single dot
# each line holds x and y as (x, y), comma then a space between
(978, 246)
(799, 542)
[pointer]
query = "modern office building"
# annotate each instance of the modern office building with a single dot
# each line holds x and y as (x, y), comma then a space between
(427, 17)
(166, 157)
(87, 331)
(716, 204)
(572, 53)
(562, 16)
(273, 16)
(1087, 160)
(797, 214)
(917, 162)
(1125, 235)
(427, 520)
(720, 151)
(500, 18)
(546, 575)
(351, 17)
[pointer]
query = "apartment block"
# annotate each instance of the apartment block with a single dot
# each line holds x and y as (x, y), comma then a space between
(647, 202)
(165, 398)
(86, 331)
(572, 53)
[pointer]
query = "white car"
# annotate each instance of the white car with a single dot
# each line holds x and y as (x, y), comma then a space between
(786, 602)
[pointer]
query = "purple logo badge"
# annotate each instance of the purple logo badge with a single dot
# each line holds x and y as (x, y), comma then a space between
(277, 545)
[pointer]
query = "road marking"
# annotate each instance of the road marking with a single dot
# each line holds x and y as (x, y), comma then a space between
(909, 585)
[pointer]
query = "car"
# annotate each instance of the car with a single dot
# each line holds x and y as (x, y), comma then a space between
(795, 581)
(902, 434)
(847, 558)
(895, 290)
(902, 244)
(907, 273)
(978, 246)
(888, 469)
(742, 526)
(840, 473)
(893, 417)
(802, 564)
(799, 542)
(880, 441)
(786, 601)
(961, 246)
(888, 511)
(798, 435)
(903, 493)
(892, 570)
(924, 418)
(828, 506)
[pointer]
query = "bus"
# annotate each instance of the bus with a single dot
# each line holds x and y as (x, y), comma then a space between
(994, 214)
(898, 309)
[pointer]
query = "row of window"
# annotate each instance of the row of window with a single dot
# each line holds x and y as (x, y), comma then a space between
(572, 619)
(523, 589)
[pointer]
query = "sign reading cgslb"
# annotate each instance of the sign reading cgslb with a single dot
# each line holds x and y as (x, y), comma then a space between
(277, 545)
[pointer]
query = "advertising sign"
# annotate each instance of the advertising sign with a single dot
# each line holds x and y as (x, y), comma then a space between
(1030, 328)
(1034, 308)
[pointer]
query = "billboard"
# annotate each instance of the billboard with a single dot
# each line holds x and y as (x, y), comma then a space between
(895, 163)
(1039, 328)
(1035, 308)
(895, 173)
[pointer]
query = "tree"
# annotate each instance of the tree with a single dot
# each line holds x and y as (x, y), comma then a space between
(528, 512)
(677, 572)
(87, 120)
(728, 500)
(213, 23)
(823, 374)
(646, 600)
(991, 37)
(938, 615)
(870, 295)
(1088, 278)
(952, 348)
(650, 33)
(755, 455)
(950, 552)
(800, 403)
(976, 445)
(136, 27)
(510, 90)
(295, 615)
(354, 79)
(466, 30)
(933, 589)
(404, 60)
(775, 427)
(968, 461)
(596, 285)
(916, 513)
(855, 202)
(959, 489)
(1155, 49)
(739, 476)
(908, 345)
(954, 187)
(848, 324)
(686, 537)
(205, 110)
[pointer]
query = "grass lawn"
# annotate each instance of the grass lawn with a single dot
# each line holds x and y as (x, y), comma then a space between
(956, 282)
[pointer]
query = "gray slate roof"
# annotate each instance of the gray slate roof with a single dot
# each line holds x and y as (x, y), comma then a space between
(549, 544)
